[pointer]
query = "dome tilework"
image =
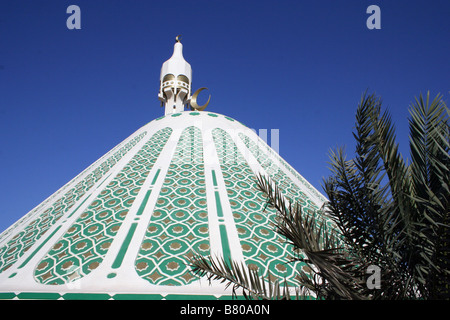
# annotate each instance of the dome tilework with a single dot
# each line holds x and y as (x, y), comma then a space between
(125, 227)
(263, 249)
(87, 241)
(23, 240)
(180, 213)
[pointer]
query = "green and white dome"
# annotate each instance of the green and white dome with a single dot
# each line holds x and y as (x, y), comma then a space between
(125, 227)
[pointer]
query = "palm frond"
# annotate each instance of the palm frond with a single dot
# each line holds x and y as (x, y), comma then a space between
(319, 246)
(430, 194)
(241, 278)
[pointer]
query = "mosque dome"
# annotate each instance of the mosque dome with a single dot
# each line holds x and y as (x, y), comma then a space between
(125, 227)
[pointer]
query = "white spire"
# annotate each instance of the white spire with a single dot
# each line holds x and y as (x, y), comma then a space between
(175, 81)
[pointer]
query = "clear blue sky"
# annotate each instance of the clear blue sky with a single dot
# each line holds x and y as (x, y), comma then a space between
(69, 96)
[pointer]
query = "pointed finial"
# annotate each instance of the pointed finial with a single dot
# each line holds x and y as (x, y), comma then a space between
(175, 81)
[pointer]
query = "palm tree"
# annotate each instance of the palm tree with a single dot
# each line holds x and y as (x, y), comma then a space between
(389, 213)
(392, 214)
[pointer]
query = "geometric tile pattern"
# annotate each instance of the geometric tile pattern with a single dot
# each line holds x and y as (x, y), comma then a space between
(23, 240)
(107, 296)
(262, 247)
(287, 187)
(83, 247)
(304, 182)
(179, 224)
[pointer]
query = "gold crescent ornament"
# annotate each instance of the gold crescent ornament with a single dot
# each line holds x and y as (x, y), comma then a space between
(178, 38)
(194, 104)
